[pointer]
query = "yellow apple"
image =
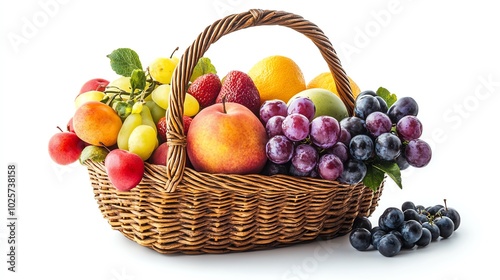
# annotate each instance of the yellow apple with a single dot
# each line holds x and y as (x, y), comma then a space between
(85, 97)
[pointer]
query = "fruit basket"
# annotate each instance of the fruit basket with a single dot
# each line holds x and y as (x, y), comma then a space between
(176, 209)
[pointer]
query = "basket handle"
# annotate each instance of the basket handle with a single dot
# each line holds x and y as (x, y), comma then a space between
(176, 158)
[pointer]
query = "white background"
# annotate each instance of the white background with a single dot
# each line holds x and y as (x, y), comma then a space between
(445, 54)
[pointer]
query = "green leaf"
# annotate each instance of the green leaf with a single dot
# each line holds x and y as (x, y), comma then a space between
(392, 170)
(204, 66)
(373, 177)
(124, 61)
(93, 153)
(138, 79)
(389, 97)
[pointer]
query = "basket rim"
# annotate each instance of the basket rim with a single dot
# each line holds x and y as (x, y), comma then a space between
(249, 184)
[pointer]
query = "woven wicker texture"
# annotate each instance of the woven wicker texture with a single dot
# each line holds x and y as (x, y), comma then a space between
(179, 210)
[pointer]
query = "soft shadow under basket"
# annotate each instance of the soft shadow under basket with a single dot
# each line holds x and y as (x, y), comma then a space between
(179, 210)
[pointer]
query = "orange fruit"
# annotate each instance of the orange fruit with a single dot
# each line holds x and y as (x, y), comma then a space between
(325, 81)
(277, 77)
(95, 123)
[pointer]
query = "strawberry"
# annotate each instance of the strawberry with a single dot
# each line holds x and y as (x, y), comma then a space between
(205, 89)
(187, 122)
(161, 126)
(238, 87)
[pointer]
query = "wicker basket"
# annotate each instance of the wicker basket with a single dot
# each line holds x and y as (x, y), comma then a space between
(179, 210)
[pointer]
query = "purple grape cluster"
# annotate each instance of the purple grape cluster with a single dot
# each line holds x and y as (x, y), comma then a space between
(381, 134)
(301, 144)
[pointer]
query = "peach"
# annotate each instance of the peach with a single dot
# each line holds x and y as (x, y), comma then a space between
(97, 124)
(227, 138)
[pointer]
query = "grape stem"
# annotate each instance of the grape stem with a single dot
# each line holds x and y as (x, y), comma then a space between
(145, 93)
(118, 92)
(445, 206)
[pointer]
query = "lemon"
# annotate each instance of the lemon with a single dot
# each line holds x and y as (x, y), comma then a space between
(277, 77)
(325, 81)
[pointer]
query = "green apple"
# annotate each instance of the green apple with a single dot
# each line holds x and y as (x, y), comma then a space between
(327, 103)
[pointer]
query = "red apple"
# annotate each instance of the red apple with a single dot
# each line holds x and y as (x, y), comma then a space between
(125, 169)
(94, 84)
(69, 126)
(65, 147)
(159, 155)
(227, 138)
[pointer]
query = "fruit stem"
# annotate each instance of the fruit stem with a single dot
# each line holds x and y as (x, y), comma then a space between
(445, 206)
(105, 147)
(224, 104)
(60, 129)
(176, 49)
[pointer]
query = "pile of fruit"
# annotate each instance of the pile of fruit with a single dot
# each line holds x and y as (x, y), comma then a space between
(267, 120)
(405, 228)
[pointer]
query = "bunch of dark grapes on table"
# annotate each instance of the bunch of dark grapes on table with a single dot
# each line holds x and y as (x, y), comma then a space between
(405, 228)
(377, 139)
